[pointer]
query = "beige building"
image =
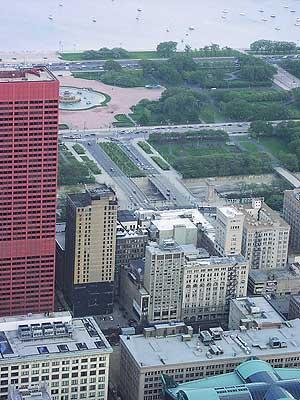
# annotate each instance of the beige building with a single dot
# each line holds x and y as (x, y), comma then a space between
(90, 251)
(209, 284)
(70, 356)
(163, 279)
(229, 230)
(173, 350)
(291, 213)
(265, 236)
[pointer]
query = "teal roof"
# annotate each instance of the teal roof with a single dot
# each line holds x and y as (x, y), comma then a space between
(251, 367)
(288, 373)
(206, 394)
(231, 379)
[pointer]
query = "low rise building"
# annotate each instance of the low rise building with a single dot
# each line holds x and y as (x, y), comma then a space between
(186, 357)
(279, 282)
(71, 356)
(133, 296)
(291, 213)
(130, 245)
(210, 283)
(253, 312)
(128, 220)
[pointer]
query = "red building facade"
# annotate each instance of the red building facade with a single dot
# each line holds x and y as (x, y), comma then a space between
(28, 175)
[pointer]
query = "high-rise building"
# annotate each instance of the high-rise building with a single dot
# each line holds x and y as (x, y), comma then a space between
(265, 237)
(28, 147)
(68, 356)
(163, 280)
(90, 248)
(229, 230)
(291, 213)
(209, 284)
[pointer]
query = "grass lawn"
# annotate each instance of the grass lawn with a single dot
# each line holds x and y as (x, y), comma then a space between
(79, 149)
(274, 145)
(249, 146)
(173, 151)
(91, 165)
(122, 121)
(121, 159)
(146, 147)
(161, 163)
(133, 55)
(93, 75)
(199, 158)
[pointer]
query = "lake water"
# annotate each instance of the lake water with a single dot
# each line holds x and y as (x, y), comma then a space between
(25, 24)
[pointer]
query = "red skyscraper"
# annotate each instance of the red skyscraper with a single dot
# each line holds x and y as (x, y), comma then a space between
(28, 170)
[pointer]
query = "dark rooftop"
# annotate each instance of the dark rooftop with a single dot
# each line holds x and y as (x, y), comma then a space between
(85, 199)
(126, 216)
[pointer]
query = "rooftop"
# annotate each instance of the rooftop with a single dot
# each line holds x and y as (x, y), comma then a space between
(85, 199)
(258, 309)
(230, 212)
(126, 216)
(39, 392)
(61, 234)
(263, 217)
(38, 74)
(167, 224)
(215, 260)
(158, 352)
(260, 275)
(253, 379)
(38, 334)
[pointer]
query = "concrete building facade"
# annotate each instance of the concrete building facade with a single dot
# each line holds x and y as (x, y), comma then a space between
(265, 237)
(90, 251)
(70, 356)
(210, 283)
(163, 279)
(291, 213)
(229, 230)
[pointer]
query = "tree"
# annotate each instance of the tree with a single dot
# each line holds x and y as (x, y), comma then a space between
(112, 65)
(166, 49)
(145, 117)
(296, 96)
(289, 160)
(261, 128)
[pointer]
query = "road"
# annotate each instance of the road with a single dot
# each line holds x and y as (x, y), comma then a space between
(89, 65)
(142, 132)
(285, 80)
(136, 198)
(178, 194)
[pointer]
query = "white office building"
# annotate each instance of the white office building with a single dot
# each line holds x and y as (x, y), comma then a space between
(70, 356)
